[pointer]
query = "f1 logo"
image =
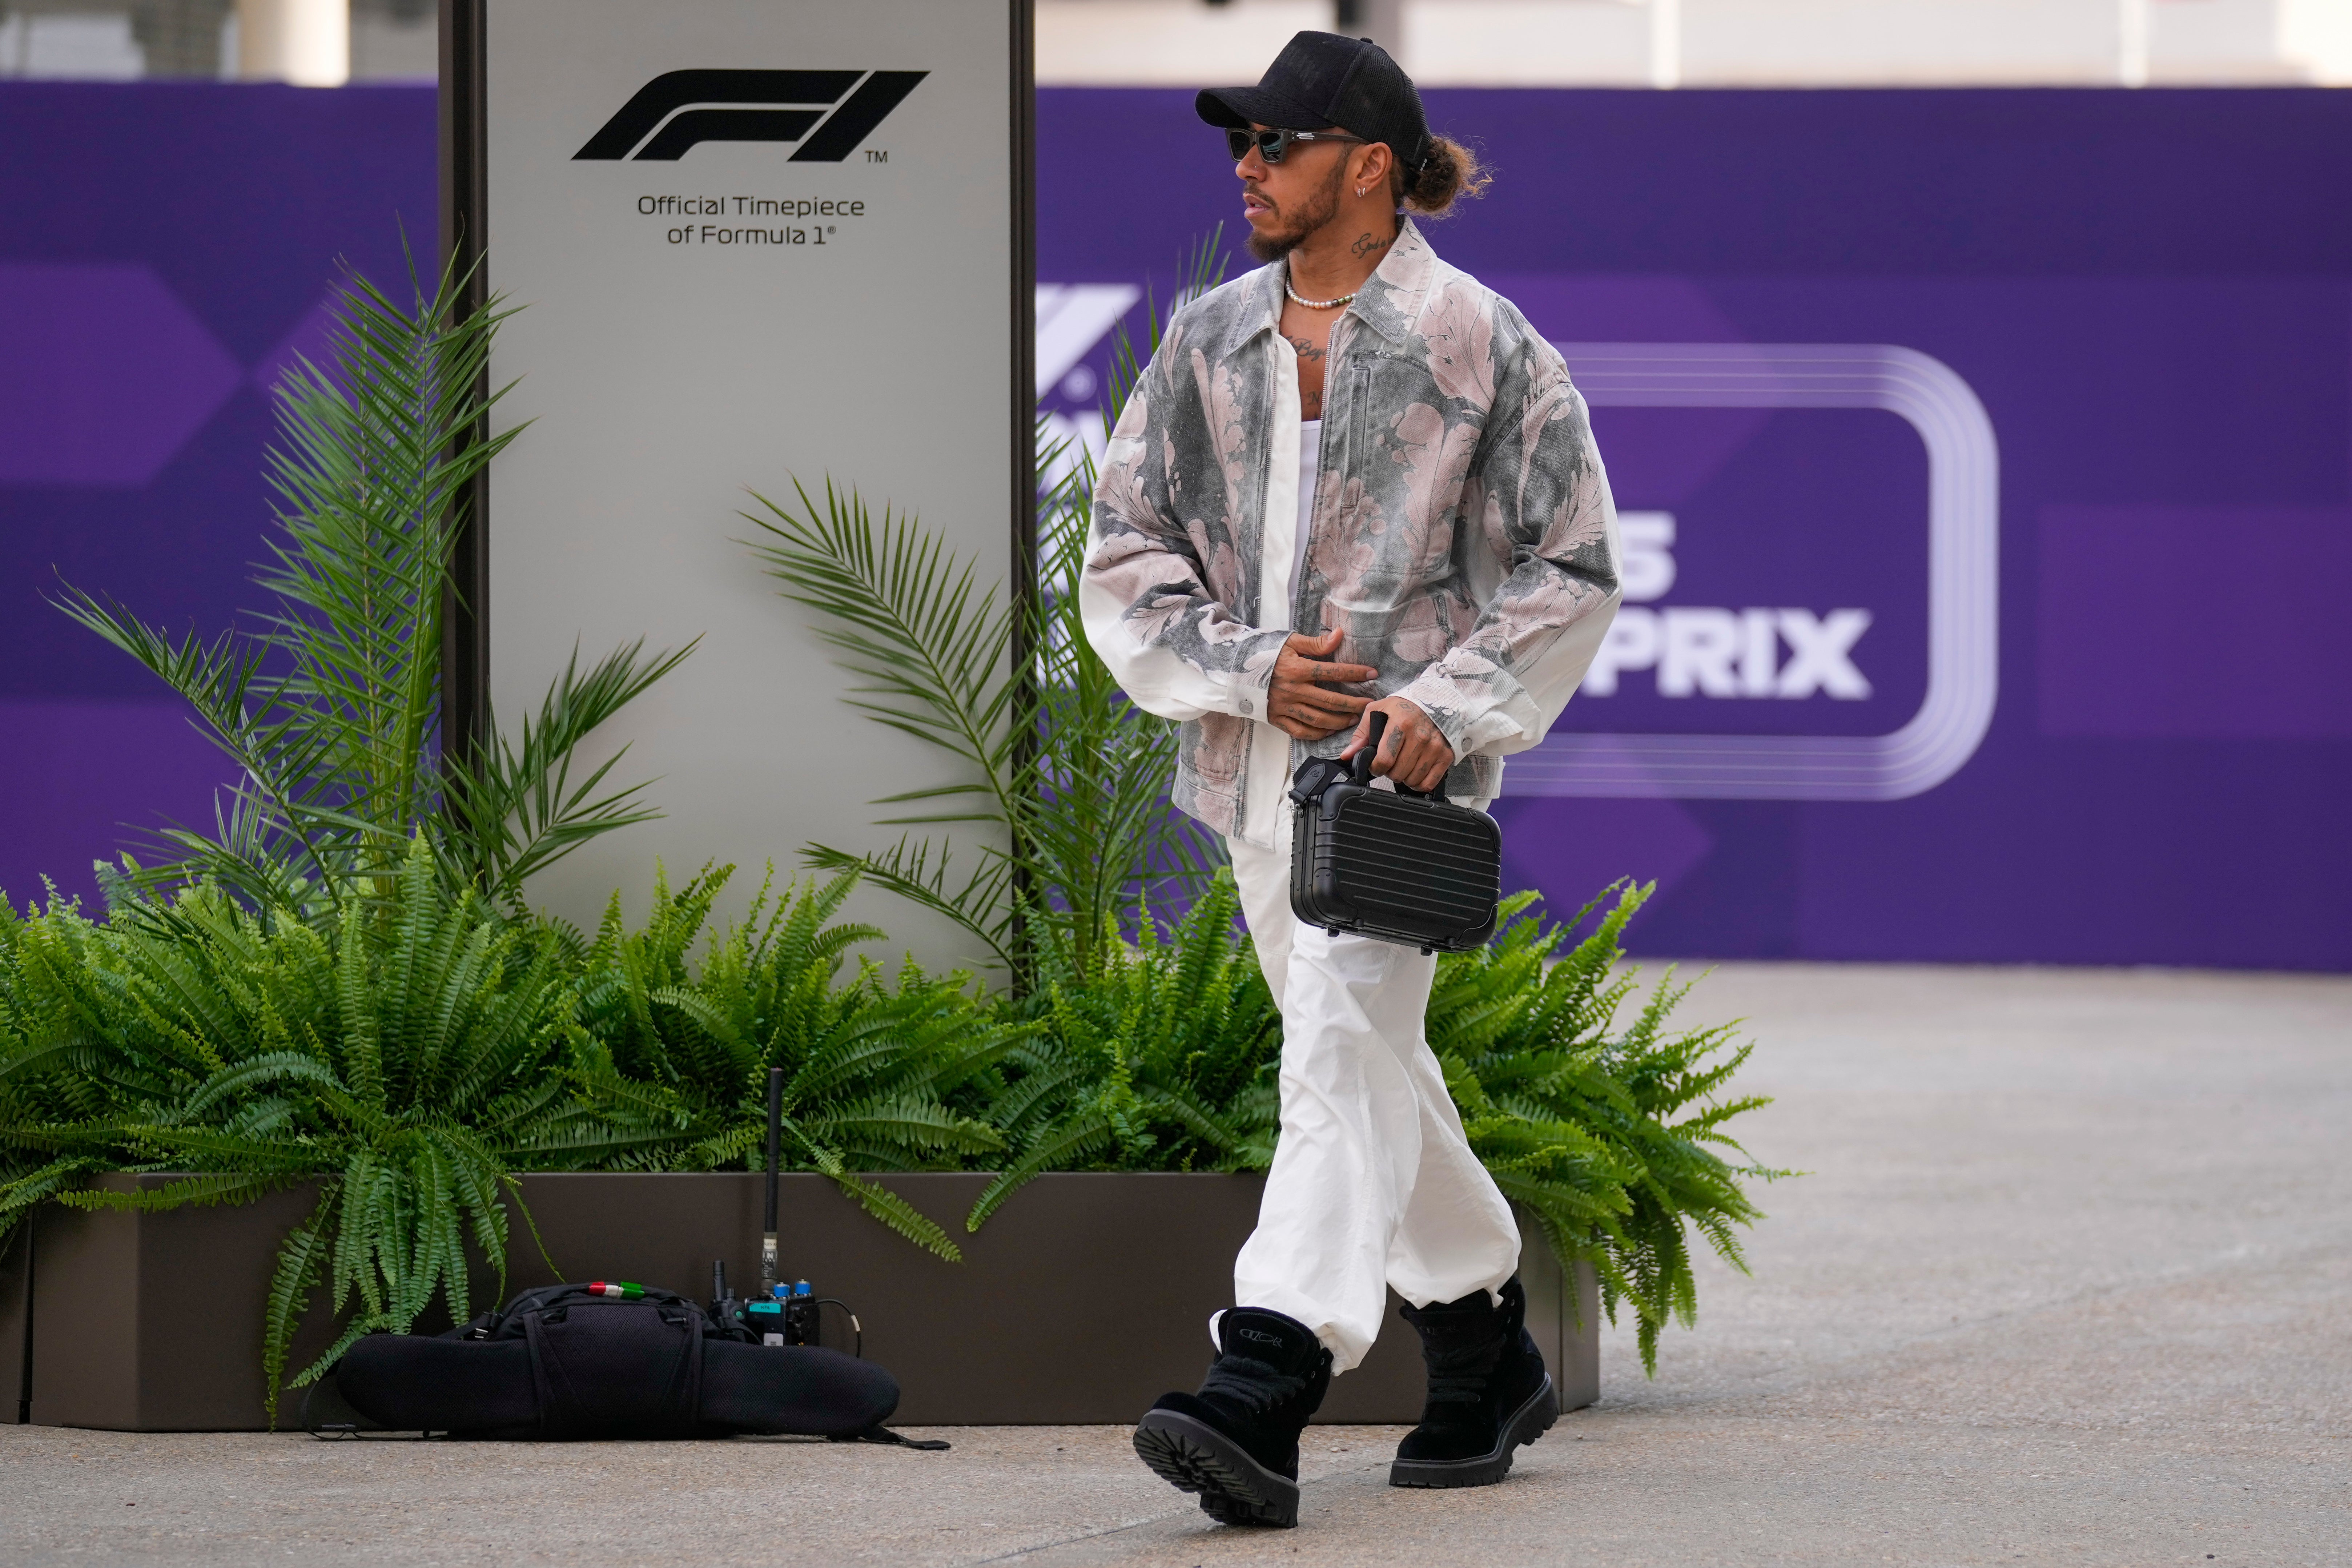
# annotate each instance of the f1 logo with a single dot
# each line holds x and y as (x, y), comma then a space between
(817, 109)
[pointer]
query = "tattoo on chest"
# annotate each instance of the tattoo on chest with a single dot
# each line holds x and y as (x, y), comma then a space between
(1310, 359)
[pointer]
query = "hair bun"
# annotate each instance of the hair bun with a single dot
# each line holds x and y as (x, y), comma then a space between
(1450, 173)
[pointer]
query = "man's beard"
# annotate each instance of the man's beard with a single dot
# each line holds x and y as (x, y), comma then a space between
(1319, 209)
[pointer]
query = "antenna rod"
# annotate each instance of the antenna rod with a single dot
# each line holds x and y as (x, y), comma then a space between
(775, 1149)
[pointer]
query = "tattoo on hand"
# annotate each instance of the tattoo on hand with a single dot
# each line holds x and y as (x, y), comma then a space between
(1365, 245)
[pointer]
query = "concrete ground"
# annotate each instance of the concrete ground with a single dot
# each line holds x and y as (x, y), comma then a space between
(2070, 1282)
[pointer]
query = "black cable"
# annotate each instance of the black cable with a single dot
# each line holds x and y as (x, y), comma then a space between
(855, 1327)
(884, 1435)
(776, 1148)
(319, 1429)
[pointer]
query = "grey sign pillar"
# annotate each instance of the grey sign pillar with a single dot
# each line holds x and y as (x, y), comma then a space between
(756, 244)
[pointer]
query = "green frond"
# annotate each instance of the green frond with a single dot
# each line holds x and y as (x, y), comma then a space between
(1082, 1137)
(300, 1261)
(187, 1192)
(897, 1213)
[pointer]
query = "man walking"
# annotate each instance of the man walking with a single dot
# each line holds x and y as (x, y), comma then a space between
(1352, 481)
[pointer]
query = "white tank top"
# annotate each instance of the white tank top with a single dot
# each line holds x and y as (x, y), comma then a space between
(1310, 465)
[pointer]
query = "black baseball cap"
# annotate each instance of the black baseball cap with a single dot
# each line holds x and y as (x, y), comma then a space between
(1323, 79)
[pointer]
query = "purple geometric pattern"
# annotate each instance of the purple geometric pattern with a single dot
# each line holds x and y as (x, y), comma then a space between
(165, 243)
(307, 340)
(107, 374)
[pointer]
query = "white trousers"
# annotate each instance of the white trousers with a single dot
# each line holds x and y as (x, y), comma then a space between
(1373, 1184)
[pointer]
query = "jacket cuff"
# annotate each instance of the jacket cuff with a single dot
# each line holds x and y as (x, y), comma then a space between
(1447, 705)
(1253, 676)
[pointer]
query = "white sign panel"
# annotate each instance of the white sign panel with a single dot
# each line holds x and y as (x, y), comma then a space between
(754, 242)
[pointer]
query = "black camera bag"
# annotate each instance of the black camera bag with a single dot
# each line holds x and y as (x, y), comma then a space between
(563, 1362)
(1405, 867)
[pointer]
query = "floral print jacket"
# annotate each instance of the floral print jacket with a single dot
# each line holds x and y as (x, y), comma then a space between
(1462, 537)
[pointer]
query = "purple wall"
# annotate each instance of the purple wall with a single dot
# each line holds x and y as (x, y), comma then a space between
(2149, 294)
(164, 247)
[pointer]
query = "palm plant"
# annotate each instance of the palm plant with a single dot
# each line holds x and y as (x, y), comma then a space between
(1162, 1059)
(1062, 783)
(867, 1066)
(331, 710)
(1608, 1137)
(410, 1058)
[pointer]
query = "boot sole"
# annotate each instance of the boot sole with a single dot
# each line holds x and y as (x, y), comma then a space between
(1530, 1421)
(1194, 1457)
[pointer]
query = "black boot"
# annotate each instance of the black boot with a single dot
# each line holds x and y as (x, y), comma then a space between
(1488, 1392)
(1236, 1441)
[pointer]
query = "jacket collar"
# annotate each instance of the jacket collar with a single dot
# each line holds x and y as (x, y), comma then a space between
(1388, 302)
(1390, 299)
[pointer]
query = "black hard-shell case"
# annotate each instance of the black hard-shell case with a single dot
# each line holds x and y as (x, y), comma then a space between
(1405, 867)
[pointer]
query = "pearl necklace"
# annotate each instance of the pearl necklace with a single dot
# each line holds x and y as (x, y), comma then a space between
(1299, 299)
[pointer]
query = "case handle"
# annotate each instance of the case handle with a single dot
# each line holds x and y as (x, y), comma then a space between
(1362, 765)
(1362, 760)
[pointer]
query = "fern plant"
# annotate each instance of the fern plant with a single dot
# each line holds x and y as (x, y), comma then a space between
(1609, 1132)
(54, 1131)
(331, 710)
(1061, 784)
(410, 1058)
(868, 1065)
(1158, 1058)
(1613, 1138)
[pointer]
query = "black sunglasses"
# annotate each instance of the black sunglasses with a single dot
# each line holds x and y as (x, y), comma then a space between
(1271, 144)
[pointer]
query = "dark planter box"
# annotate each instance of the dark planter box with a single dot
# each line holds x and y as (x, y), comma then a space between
(1086, 1296)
